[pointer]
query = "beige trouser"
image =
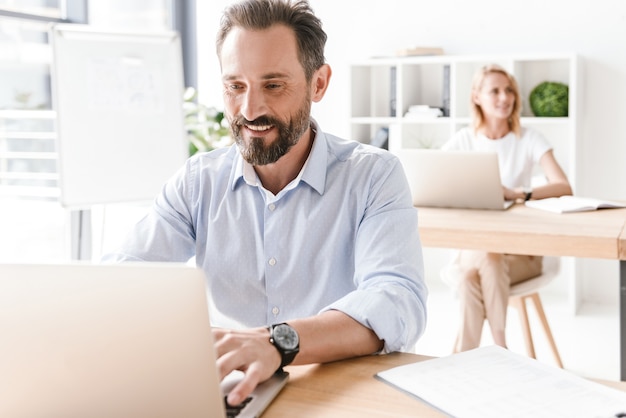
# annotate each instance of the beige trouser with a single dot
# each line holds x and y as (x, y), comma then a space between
(484, 292)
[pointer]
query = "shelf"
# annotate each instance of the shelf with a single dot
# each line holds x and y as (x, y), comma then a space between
(544, 120)
(426, 121)
(382, 90)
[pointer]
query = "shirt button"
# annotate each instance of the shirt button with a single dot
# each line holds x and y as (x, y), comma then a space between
(271, 207)
(275, 311)
(272, 261)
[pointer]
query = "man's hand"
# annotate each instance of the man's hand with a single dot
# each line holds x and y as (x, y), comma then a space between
(329, 336)
(247, 350)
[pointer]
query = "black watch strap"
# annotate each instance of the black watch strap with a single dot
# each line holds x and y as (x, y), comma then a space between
(286, 341)
(288, 358)
(528, 195)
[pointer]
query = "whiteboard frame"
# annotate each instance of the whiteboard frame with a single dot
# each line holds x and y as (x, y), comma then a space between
(118, 97)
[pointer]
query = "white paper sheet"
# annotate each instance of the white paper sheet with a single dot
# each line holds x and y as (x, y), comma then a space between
(567, 204)
(494, 382)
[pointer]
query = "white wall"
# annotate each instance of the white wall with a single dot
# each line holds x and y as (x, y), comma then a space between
(594, 29)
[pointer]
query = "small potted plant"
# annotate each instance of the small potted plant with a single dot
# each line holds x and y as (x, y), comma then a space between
(550, 99)
(206, 127)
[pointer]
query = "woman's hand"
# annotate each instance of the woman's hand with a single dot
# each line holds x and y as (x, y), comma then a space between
(513, 194)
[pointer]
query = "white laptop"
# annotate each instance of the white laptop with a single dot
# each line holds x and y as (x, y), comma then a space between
(101, 341)
(454, 179)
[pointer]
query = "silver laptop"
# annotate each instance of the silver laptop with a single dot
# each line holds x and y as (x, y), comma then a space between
(454, 179)
(101, 341)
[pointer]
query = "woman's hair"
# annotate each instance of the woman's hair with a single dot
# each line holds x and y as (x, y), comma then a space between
(479, 117)
(297, 15)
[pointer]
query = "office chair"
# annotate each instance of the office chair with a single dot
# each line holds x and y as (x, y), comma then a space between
(519, 294)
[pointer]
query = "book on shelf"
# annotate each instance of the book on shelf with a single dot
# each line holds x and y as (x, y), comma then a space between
(567, 204)
(419, 50)
(446, 91)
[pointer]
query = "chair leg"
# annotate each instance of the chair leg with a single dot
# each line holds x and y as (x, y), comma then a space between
(519, 302)
(544, 322)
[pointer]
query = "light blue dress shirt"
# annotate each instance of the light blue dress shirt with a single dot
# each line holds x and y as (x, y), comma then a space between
(343, 235)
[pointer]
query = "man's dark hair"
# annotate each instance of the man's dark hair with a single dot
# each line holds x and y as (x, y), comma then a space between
(297, 15)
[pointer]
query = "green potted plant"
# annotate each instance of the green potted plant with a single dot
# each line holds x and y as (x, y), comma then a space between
(550, 99)
(206, 127)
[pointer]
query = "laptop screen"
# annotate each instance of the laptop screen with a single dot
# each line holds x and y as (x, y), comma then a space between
(453, 179)
(128, 340)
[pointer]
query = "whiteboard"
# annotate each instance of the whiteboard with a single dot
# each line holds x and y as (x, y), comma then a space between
(120, 123)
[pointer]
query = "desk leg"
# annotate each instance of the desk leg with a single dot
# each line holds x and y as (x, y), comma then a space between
(80, 234)
(622, 317)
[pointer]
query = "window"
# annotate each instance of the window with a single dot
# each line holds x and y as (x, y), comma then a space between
(35, 228)
(28, 159)
(27, 137)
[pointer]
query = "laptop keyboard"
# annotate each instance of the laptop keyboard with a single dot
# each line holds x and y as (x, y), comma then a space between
(233, 411)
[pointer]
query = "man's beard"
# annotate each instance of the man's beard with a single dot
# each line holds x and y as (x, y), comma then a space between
(257, 152)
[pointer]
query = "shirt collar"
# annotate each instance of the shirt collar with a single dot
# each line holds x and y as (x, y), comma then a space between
(313, 172)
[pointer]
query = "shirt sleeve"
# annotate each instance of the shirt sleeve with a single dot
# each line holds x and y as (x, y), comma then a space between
(540, 144)
(166, 232)
(391, 293)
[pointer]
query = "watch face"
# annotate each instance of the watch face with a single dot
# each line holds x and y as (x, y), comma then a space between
(286, 337)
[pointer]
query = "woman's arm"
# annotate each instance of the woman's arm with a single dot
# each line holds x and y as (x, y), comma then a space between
(557, 185)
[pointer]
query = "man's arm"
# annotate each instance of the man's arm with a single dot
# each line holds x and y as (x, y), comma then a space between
(329, 336)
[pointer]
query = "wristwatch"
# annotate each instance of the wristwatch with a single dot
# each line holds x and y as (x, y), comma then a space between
(286, 341)
(528, 193)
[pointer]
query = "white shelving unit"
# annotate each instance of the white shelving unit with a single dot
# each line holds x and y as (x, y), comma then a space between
(383, 89)
(420, 81)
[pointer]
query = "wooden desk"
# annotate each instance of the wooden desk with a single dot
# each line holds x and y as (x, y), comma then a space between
(523, 230)
(348, 389)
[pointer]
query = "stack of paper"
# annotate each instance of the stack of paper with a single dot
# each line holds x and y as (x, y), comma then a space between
(423, 111)
(494, 382)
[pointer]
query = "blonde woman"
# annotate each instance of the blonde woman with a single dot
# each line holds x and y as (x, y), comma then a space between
(486, 277)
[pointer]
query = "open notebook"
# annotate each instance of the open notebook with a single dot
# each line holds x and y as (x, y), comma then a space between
(453, 179)
(101, 341)
(567, 204)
